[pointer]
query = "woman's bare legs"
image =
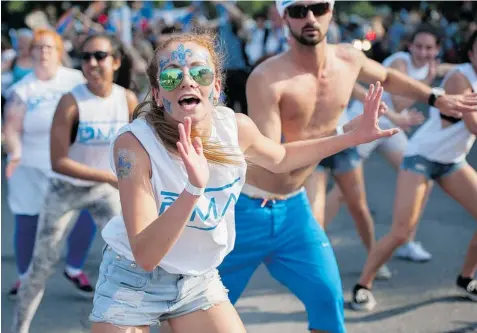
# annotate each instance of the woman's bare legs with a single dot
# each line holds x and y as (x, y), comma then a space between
(462, 187)
(410, 193)
(221, 318)
(352, 186)
(110, 328)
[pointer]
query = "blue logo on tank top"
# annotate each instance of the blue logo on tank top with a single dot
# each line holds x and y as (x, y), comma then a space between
(213, 212)
(51, 98)
(97, 133)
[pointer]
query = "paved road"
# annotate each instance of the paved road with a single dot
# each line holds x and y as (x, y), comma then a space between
(421, 298)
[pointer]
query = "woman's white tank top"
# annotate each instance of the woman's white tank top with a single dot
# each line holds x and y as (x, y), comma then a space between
(210, 232)
(41, 98)
(444, 145)
(99, 121)
(417, 73)
(356, 108)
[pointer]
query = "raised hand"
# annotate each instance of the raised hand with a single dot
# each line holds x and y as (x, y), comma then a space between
(368, 129)
(455, 105)
(383, 108)
(406, 119)
(431, 75)
(354, 123)
(192, 155)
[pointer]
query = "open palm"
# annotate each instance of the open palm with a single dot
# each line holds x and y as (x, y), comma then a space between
(368, 129)
(192, 155)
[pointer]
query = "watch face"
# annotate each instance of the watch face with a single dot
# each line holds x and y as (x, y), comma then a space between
(438, 91)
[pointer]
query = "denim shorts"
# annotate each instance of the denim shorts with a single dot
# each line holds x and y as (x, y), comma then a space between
(342, 162)
(430, 169)
(127, 295)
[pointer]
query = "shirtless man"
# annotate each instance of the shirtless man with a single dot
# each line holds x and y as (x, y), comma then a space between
(300, 94)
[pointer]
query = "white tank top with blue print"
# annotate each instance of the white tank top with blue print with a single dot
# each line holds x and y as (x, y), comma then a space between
(99, 121)
(210, 233)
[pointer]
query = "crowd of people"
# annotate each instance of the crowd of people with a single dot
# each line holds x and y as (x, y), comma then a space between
(201, 148)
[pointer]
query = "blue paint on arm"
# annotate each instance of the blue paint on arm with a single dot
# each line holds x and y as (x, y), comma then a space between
(211, 97)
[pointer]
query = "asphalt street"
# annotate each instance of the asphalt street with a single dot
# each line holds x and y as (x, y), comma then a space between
(420, 298)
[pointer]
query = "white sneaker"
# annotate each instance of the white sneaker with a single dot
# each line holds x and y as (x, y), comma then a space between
(413, 251)
(363, 300)
(383, 273)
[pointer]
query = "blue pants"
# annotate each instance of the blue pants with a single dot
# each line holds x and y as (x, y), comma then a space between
(79, 241)
(296, 251)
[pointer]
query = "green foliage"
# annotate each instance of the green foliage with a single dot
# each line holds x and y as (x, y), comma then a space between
(251, 7)
(363, 9)
(16, 6)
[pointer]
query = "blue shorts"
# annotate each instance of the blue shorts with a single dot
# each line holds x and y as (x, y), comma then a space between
(342, 162)
(127, 295)
(431, 170)
(285, 236)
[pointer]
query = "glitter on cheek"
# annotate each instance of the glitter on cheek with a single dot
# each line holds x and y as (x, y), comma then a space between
(167, 105)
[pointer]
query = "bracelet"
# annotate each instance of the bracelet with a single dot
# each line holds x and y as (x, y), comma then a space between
(339, 130)
(194, 190)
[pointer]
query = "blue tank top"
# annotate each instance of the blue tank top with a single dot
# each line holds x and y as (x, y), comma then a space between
(20, 72)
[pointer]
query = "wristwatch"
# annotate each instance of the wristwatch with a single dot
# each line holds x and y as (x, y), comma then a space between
(435, 94)
(339, 130)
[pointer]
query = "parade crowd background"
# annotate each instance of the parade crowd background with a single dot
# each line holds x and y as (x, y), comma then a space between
(249, 31)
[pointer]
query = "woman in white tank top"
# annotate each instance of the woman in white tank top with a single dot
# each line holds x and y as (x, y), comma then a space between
(84, 124)
(420, 64)
(181, 167)
(436, 152)
(30, 111)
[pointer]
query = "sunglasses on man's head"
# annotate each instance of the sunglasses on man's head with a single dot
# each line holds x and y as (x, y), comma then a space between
(171, 78)
(98, 55)
(300, 11)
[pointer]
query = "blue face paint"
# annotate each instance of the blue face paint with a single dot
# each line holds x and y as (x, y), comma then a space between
(211, 97)
(163, 63)
(167, 105)
(181, 54)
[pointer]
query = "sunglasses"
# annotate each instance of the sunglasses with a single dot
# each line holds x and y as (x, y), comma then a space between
(171, 78)
(300, 11)
(46, 47)
(98, 55)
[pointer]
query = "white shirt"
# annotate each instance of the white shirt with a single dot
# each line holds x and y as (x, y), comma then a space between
(417, 73)
(100, 118)
(444, 145)
(41, 98)
(210, 233)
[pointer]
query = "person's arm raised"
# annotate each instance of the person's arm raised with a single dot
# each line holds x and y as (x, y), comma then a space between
(398, 83)
(405, 119)
(66, 115)
(263, 104)
(152, 236)
(278, 158)
(458, 84)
